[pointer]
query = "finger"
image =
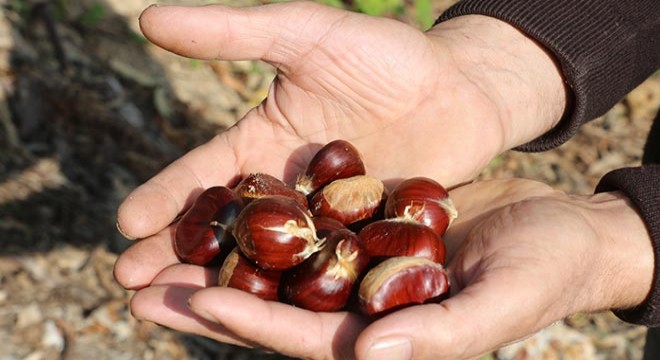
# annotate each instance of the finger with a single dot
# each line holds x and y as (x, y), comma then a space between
(187, 275)
(479, 319)
(141, 263)
(280, 327)
(168, 306)
(277, 33)
(154, 205)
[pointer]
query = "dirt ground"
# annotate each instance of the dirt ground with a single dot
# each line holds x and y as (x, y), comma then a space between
(89, 110)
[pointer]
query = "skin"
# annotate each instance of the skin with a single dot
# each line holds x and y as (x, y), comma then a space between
(521, 255)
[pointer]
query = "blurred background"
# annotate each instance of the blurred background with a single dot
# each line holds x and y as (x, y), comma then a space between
(89, 110)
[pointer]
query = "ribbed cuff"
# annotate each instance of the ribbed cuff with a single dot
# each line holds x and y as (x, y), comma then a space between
(597, 43)
(642, 186)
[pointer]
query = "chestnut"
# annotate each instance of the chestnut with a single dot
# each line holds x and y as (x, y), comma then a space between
(423, 200)
(338, 159)
(276, 233)
(392, 237)
(349, 200)
(239, 273)
(325, 225)
(325, 281)
(400, 282)
(205, 228)
(258, 185)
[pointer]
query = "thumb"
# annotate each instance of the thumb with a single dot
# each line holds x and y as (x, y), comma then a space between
(278, 33)
(480, 318)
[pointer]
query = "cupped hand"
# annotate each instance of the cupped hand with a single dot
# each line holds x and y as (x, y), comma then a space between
(413, 103)
(521, 257)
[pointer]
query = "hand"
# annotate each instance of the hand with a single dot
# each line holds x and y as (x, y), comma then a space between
(440, 104)
(522, 257)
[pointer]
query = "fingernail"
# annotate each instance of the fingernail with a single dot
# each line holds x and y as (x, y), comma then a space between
(201, 313)
(125, 235)
(206, 315)
(393, 348)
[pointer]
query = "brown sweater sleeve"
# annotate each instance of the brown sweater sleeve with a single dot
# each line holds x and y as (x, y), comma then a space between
(605, 48)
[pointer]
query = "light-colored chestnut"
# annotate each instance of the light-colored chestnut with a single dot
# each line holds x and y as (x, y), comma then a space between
(239, 273)
(325, 281)
(400, 282)
(349, 200)
(399, 237)
(423, 200)
(204, 230)
(276, 233)
(338, 159)
(258, 185)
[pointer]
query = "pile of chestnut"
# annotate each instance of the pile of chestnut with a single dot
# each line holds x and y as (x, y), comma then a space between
(336, 240)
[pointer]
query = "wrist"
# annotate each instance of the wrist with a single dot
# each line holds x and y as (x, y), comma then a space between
(628, 259)
(520, 76)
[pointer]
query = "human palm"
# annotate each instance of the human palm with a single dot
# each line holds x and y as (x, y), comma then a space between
(382, 85)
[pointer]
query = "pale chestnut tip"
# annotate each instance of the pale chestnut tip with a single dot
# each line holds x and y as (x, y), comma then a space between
(448, 205)
(349, 200)
(304, 185)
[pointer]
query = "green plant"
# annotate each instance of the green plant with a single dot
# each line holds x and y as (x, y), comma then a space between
(379, 7)
(138, 38)
(93, 16)
(334, 3)
(424, 13)
(423, 8)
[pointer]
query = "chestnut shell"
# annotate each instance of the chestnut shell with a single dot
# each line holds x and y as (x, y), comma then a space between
(204, 230)
(258, 185)
(400, 282)
(325, 281)
(276, 233)
(338, 159)
(326, 225)
(239, 273)
(389, 238)
(423, 200)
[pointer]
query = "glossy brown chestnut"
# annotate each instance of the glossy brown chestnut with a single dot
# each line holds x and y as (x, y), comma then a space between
(338, 159)
(324, 282)
(423, 200)
(325, 225)
(349, 200)
(276, 233)
(239, 273)
(400, 282)
(392, 237)
(258, 185)
(205, 229)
